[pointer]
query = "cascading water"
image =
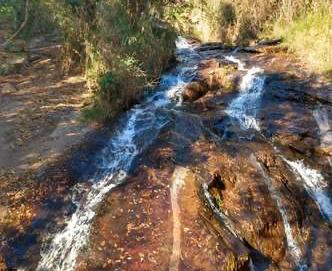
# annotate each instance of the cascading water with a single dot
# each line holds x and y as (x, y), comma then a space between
(291, 242)
(313, 180)
(115, 160)
(314, 184)
(245, 107)
(325, 130)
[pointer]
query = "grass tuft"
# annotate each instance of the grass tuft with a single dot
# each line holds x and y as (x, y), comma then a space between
(310, 37)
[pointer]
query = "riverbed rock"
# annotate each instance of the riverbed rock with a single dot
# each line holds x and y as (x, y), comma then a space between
(194, 91)
(213, 75)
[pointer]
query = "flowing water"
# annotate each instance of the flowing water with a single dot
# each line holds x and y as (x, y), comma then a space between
(291, 242)
(138, 128)
(312, 180)
(178, 178)
(143, 121)
(323, 122)
(325, 130)
(314, 184)
(245, 107)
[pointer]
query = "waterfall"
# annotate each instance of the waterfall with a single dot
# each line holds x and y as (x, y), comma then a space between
(245, 107)
(314, 184)
(115, 160)
(291, 242)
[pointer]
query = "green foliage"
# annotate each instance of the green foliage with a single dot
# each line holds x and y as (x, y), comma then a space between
(12, 13)
(9, 10)
(120, 45)
(305, 25)
(108, 81)
(93, 113)
(310, 37)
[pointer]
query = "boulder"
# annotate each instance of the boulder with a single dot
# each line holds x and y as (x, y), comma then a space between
(215, 75)
(269, 42)
(194, 91)
(214, 46)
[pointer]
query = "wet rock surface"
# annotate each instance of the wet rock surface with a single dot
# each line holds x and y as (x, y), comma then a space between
(207, 193)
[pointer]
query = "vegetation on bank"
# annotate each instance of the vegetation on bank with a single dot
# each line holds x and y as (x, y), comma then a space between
(123, 46)
(310, 37)
(304, 25)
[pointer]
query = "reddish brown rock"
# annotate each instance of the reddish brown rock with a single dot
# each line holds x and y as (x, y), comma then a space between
(212, 75)
(194, 91)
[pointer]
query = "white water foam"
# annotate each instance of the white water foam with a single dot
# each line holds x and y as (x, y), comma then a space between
(245, 107)
(314, 184)
(291, 242)
(241, 64)
(115, 160)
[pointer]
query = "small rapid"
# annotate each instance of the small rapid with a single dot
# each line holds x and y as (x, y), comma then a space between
(315, 185)
(61, 250)
(291, 242)
(245, 107)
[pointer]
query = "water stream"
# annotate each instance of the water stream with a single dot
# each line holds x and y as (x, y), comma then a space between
(293, 246)
(245, 107)
(219, 213)
(325, 131)
(178, 181)
(143, 121)
(315, 185)
(137, 129)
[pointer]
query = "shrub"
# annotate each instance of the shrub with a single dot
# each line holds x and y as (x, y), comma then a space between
(305, 25)
(310, 37)
(120, 45)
